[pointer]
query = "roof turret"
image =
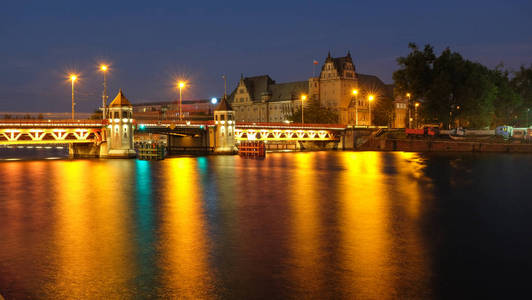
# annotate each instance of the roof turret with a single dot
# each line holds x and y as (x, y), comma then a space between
(224, 105)
(120, 100)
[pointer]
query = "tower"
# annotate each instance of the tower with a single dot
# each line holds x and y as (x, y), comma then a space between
(120, 128)
(224, 120)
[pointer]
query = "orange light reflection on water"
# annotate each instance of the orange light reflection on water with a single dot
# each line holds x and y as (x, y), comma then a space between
(184, 266)
(93, 245)
(306, 240)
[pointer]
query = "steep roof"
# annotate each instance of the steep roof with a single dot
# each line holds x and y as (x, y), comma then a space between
(257, 85)
(120, 100)
(223, 105)
(339, 62)
(289, 90)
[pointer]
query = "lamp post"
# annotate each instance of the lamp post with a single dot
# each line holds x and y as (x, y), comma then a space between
(180, 85)
(303, 98)
(355, 92)
(73, 78)
(408, 95)
(214, 100)
(370, 99)
(104, 68)
(415, 115)
(527, 111)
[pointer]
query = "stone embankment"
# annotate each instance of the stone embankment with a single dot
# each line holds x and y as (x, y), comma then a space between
(429, 145)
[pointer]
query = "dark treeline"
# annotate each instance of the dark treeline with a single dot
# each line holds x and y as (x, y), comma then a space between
(455, 90)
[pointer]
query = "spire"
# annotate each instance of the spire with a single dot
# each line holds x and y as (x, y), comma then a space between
(329, 54)
(348, 54)
(241, 76)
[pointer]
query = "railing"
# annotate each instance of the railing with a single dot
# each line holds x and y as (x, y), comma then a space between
(190, 150)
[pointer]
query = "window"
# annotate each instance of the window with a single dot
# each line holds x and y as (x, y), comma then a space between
(116, 115)
(241, 91)
(222, 117)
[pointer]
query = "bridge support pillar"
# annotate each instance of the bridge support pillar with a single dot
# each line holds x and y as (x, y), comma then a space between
(83, 150)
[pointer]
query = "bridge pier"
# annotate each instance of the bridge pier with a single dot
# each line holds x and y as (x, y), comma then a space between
(79, 150)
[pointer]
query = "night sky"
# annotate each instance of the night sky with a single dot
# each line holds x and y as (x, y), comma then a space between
(150, 43)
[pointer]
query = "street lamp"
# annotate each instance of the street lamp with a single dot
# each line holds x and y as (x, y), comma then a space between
(355, 92)
(104, 69)
(180, 85)
(73, 78)
(408, 95)
(303, 98)
(370, 99)
(415, 115)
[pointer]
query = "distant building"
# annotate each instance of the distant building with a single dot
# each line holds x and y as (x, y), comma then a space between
(261, 99)
(400, 112)
(201, 108)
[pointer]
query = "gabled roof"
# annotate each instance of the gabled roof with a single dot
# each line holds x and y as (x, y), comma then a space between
(223, 105)
(120, 100)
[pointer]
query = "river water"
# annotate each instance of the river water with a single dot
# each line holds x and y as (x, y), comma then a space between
(365, 225)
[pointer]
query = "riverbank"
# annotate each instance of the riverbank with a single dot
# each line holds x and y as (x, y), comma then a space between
(428, 145)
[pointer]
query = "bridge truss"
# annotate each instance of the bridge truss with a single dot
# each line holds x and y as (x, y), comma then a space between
(48, 132)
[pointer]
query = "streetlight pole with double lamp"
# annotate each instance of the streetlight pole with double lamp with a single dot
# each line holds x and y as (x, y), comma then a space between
(303, 98)
(370, 99)
(415, 115)
(408, 95)
(73, 78)
(355, 92)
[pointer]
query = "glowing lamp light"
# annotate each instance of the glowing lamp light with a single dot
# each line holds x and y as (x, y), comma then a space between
(355, 92)
(303, 97)
(181, 84)
(214, 100)
(371, 97)
(73, 77)
(103, 68)
(417, 104)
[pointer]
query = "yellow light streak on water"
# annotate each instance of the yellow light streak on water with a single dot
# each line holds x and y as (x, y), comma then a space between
(184, 266)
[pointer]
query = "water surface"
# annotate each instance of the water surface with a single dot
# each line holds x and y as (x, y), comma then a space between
(365, 225)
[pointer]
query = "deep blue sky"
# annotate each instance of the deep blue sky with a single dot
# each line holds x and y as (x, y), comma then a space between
(149, 43)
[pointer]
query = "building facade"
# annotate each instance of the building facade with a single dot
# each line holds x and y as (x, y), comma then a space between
(338, 86)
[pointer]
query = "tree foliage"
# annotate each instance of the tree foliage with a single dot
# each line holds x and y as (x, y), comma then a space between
(453, 90)
(314, 113)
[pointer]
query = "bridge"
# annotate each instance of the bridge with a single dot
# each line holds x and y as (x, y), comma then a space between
(114, 135)
(21, 132)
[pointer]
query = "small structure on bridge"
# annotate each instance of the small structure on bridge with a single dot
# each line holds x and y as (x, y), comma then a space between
(224, 121)
(119, 132)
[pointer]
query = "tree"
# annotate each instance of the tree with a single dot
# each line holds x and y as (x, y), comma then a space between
(508, 101)
(522, 84)
(455, 91)
(315, 113)
(383, 111)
